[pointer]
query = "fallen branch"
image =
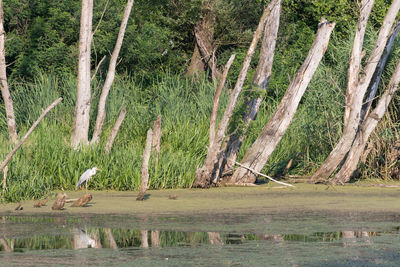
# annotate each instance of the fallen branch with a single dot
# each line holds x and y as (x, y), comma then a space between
(71, 200)
(36, 123)
(266, 176)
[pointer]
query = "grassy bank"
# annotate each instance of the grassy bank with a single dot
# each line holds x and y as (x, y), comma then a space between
(46, 162)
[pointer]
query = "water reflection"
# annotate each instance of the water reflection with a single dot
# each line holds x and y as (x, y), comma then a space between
(75, 238)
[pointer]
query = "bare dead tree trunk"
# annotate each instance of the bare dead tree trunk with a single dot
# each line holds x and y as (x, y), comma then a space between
(204, 43)
(214, 113)
(367, 127)
(28, 133)
(261, 79)
(340, 151)
(145, 166)
(356, 56)
(373, 86)
(156, 142)
(101, 110)
(80, 128)
(115, 130)
(262, 148)
(205, 174)
(8, 103)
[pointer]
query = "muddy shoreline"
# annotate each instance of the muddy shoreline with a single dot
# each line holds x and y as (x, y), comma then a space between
(226, 200)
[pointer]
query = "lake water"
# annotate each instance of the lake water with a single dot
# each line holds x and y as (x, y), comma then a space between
(264, 239)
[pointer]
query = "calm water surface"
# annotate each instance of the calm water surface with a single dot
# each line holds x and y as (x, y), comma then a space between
(264, 239)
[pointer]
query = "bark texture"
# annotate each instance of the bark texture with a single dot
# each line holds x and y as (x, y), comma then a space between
(366, 128)
(101, 110)
(80, 128)
(115, 130)
(356, 56)
(5, 92)
(262, 148)
(205, 174)
(340, 151)
(145, 166)
(156, 141)
(260, 80)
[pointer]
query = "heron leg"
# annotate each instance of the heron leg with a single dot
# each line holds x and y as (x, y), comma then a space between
(86, 186)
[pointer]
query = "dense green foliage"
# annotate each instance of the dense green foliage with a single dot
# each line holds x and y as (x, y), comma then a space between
(42, 52)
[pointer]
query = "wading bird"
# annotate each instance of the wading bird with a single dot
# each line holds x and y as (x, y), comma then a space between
(86, 176)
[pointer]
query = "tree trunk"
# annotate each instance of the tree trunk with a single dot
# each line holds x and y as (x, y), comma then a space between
(373, 86)
(101, 110)
(80, 128)
(8, 103)
(356, 56)
(261, 79)
(145, 166)
(28, 133)
(156, 142)
(115, 130)
(262, 148)
(338, 154)
(367, 127)
(204, 37)
(205, 174)
(214, 113)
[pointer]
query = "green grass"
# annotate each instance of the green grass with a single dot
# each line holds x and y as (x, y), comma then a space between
(46, 162)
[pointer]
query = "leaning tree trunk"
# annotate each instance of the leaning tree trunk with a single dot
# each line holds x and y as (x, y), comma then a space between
(262, 148)
(8, 103)
(366, 129)
(260, 79)
(338, 154)
(80, 128)
(202, 57)
(356, 56)
(205, 174)
(101, 110)
(373, 86)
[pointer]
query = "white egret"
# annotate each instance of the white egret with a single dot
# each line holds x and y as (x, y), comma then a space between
(86, 176)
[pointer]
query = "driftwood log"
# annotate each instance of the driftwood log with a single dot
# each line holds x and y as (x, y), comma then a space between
(59, 202)
(82, 201)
